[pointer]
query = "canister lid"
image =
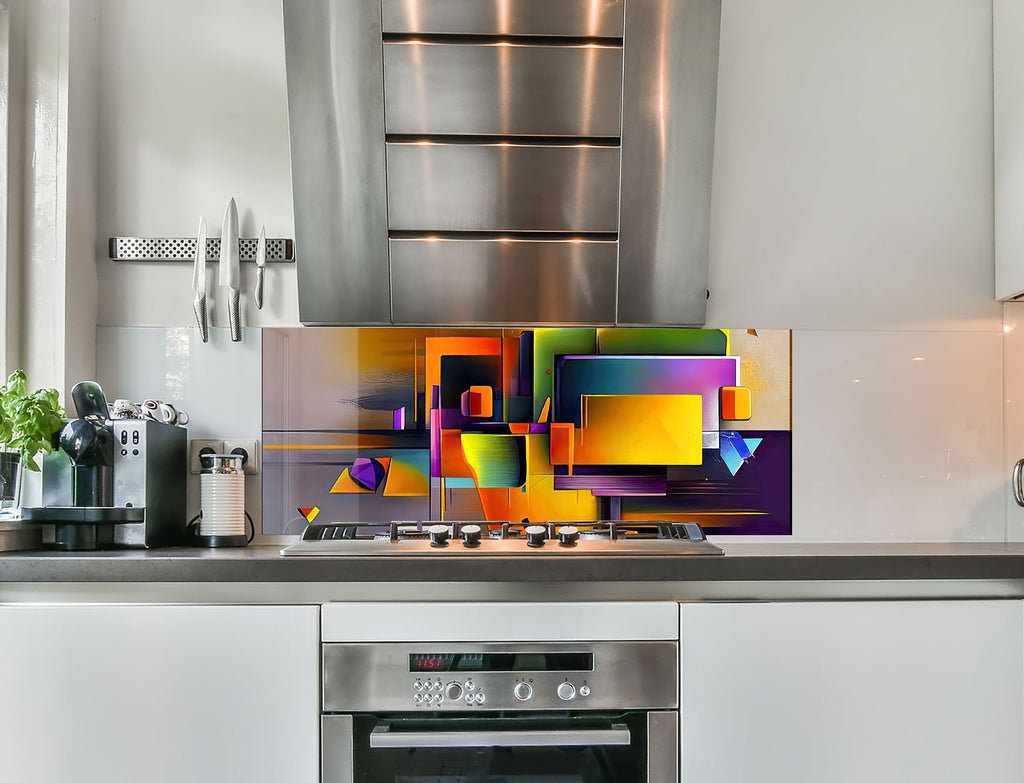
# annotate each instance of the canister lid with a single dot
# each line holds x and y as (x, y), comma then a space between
(220, 463)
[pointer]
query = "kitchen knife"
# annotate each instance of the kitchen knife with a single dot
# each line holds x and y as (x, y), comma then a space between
(229, 275)
(261, 262)
(199, 281)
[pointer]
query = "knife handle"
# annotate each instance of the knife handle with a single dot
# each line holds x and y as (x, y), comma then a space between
(234, 317)
(258, 294)
(199, 306)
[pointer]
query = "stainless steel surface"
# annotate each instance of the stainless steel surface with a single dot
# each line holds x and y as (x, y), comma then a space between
(502, 89)
(498, 74)
(511, 282)
(502, 187)
(626, 675)
(199, 281)
(490, 547)
(279, 251)
(150, 472)
(335, 78)
(592, 18)
(668, 128)
(228, 268)
(1018, 488)
(17, 536)
(336, 746)
(383, 737)
(261, 262)
(663, 747)
(221, 463)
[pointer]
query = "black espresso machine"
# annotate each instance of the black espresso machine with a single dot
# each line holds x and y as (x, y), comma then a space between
(112, 482)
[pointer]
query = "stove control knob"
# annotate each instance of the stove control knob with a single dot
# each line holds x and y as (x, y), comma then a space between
(438, 535)
(470, 535)
(566, 691)
(535, 535)
(568, 535)
(522, 691)
(453, 692)
(584, 690)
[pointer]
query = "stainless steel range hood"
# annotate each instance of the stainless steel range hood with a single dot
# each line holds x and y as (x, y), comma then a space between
(502, 161)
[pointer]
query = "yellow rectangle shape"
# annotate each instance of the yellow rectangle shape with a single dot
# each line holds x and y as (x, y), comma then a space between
(639, 429)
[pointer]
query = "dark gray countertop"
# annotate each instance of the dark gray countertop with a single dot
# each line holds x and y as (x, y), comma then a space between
(741, 563)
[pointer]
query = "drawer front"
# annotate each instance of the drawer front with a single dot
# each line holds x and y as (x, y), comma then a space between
(502, 89)
(595, 18)
(502, 187)
(495, 281)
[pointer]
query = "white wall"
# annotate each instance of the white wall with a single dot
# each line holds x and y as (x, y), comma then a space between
(194, 112)
(852, 203)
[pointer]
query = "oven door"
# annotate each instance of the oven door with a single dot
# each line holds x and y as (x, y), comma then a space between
(631, 747)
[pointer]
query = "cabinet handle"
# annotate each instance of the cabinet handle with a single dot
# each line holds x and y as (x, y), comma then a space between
(1018, 488)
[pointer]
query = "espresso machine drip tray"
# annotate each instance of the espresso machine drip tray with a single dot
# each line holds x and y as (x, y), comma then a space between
(91, 515)
(78, 528)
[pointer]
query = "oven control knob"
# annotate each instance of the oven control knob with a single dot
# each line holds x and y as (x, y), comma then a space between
(566, 691)
(453, 692)
(438, 535)
(470, 535)
(522, 691)
(568, 535)
(584, 690)
(535, 535)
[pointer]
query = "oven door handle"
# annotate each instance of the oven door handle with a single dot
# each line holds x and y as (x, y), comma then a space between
(383, 737)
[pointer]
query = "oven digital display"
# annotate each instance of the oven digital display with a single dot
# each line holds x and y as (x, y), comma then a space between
(502, 662)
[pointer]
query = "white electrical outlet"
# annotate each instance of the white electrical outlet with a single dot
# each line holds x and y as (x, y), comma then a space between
(196, 446)
(250, 449)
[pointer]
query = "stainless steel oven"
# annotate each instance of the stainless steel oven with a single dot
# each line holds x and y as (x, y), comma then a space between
(518, 712)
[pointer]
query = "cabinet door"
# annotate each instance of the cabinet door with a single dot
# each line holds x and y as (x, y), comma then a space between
(927, 691)
(162, 694)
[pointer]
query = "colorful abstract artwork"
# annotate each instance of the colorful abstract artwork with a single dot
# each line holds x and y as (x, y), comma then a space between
(375, 425)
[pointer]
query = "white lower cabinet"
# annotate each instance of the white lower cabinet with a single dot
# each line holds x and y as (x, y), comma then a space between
(159, 694)
(852, 692)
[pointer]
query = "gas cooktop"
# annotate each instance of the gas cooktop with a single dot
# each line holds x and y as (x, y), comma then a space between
(503, 538)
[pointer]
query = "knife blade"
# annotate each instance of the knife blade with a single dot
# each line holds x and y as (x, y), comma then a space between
(261, 262)
(229, 273)
(199, 281)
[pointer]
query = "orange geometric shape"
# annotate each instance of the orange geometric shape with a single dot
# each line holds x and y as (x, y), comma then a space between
(346, 485)
(545, 411)
(640, 429)
(481, 401)
(478, 402)
(309, 512)
(734, 403)
(519, 427)
(404, 480)
(562, 443)
(453, 462)
(436, 347)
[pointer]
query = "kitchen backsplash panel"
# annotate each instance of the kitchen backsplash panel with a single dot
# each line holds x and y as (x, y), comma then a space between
(546, 424)
(896, 436)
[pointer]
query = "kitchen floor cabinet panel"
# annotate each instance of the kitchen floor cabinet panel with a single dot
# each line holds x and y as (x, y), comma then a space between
(161, 694)
(849, 692)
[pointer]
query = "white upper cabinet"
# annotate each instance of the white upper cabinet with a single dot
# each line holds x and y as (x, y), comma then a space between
(852, 183)
(1008, 112)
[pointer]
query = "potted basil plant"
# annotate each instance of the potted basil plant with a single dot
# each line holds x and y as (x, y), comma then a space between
(28, 423)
